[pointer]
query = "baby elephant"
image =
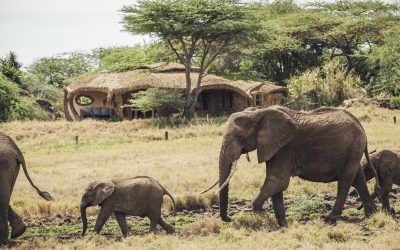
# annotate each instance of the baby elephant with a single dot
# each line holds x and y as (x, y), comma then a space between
(139, 196)
(387, 164)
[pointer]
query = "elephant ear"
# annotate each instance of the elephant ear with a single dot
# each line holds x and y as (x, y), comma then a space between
(275, 130)
(102, 191)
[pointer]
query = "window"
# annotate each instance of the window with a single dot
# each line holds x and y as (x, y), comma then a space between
(83, 100)
(259, 100)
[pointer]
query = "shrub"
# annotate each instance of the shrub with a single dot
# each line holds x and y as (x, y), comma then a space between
(164, 100)
(321, 87)
(395, 102)
(203, 226)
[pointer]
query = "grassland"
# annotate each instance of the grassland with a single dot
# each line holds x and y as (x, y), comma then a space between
(185, 165)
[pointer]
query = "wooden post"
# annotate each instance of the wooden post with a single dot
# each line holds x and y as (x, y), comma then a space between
(394, 119)
(136, 114)
(77, 140)
(152, 113)
(166, 135)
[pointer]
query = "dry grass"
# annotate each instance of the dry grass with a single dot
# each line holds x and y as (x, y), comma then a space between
(185, 165)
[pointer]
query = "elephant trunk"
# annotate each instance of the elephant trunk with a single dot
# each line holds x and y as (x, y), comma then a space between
(84, 218)
(225, 165)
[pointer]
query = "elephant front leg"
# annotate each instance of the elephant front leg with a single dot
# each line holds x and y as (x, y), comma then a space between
(121, 219)
(279, 209)
(105, 213)
(272, 185)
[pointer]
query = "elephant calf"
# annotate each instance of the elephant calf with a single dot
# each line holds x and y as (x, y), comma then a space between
(139, 196)
(387, 164)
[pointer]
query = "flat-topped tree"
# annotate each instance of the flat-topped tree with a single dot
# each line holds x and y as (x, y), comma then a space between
(197, 31)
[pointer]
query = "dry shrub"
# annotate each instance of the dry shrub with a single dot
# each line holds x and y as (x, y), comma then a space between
(381, 220)
(252, 222)
(203, 226)
(195, 201)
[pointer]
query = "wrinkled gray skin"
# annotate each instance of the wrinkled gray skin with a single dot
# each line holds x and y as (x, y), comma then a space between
(324, 145)
(139, 196)
(10, 160)
(387, 164)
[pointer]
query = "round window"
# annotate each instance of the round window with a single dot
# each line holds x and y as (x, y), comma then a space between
(83, 100)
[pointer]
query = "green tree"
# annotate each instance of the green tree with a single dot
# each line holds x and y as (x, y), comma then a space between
(386, 61)
(359, 26)
(11, 68)
(55, 70)
(195, 30)
(119, 59)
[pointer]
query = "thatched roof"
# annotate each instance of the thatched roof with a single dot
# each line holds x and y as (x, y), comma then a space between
(268, 88)
(161, 76)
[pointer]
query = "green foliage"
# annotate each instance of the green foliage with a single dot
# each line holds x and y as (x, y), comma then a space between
(386, 58)
(155, 98)
(321, 87)
(11, 68)
(14, 106)
(395, 102)
(121, 59)
(9, 95)
(55, 70)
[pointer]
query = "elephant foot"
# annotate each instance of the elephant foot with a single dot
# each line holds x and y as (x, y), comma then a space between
(226, 219)
(331, 219)
(17, 229)
(170, 230)
(257, 208)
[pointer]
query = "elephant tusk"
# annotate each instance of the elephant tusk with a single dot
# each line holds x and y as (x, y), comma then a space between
(212, 186)
(248, 157)
(229, 177)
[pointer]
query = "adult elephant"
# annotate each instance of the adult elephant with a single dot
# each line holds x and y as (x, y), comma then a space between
(10, 160)
(324, 145)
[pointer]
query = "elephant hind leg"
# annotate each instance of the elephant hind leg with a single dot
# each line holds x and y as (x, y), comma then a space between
(17, 225)
(4, 200)
(167, 227)
(360, 184)
(345, 180)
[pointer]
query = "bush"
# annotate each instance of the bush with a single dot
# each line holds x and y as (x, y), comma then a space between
(163, 100)
(13, 106)
(321, 87)
(395, 102)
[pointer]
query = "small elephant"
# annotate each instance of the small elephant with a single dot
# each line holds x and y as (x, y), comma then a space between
(387, 164)
(138, 196)
(10, 160)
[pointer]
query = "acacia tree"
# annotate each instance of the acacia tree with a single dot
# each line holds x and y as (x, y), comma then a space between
(197, 31)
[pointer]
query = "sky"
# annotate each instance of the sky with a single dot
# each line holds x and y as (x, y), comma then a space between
(41, 28)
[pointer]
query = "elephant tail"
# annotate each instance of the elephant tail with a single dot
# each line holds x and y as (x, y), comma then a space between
(172, 198)
(45, 195)
(372, 168)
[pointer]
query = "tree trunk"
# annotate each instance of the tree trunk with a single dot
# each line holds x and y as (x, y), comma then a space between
(186, 112)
